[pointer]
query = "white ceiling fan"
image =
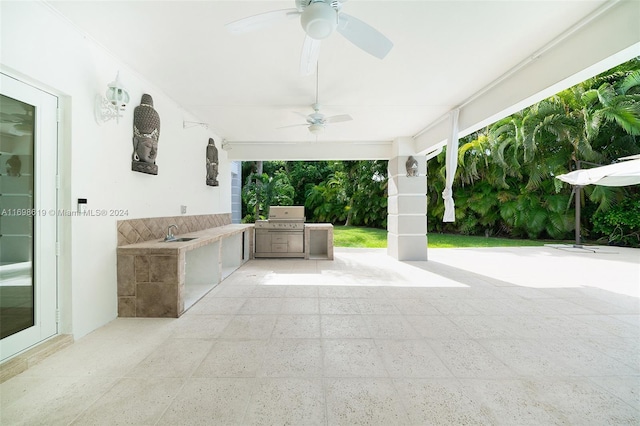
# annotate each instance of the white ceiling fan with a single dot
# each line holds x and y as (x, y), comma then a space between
(319, 19)
(316, 121)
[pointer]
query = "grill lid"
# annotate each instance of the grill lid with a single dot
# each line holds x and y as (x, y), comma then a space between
(289, 213)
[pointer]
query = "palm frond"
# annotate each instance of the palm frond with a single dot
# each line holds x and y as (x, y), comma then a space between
(535, 178)
(536, 219)
(557, 203)
(604, 196)
(590, 97)
(626, 115)
(631, 81)
(606, 93)
(558, 224)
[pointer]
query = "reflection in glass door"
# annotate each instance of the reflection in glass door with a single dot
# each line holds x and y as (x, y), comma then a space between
(28, 225)
(16, 222)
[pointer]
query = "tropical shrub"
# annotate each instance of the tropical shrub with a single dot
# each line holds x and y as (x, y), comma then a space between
(621, 223)
(339, 192)
(261, 191)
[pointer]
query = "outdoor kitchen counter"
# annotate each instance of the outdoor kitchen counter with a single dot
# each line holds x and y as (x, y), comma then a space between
(163, 279)
(318, 241)
(201, 238)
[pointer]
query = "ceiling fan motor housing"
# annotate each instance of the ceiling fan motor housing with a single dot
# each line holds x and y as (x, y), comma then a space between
(319, 20)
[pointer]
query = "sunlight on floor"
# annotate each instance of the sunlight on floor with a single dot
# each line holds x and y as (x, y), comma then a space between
(612, 269)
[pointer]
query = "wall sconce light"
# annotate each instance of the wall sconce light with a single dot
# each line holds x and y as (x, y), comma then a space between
(117, 98)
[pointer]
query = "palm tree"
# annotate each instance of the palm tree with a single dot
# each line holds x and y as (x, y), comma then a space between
(597, 103)
(572, 121)
(519, 156)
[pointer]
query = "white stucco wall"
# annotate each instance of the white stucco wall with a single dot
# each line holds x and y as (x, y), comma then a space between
(42, 48)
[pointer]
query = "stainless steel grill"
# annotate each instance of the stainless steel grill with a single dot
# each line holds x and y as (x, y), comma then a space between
(282, 235)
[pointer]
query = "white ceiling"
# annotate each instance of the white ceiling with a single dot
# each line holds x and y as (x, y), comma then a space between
(246, 86)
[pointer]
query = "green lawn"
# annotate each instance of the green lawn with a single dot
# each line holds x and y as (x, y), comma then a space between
(356, 236)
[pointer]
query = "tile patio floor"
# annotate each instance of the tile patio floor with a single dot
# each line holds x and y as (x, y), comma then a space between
(518, 336)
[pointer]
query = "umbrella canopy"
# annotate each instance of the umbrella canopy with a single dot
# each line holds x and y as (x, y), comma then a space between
(619, 174)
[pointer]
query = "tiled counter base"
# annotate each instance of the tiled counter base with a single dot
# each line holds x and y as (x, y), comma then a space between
(318, 241)
(159, 279)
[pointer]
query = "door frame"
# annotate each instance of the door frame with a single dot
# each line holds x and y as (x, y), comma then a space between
(45, 244)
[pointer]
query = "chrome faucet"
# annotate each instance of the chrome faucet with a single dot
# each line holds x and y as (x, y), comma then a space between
(170, 236)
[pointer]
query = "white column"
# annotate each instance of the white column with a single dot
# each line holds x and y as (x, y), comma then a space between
(407, 208)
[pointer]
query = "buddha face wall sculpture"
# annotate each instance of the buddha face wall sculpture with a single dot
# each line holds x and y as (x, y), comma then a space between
(412, 167)
(212, 163)
(146, 132)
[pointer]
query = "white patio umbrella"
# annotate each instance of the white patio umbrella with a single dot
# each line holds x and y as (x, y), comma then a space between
(623, 173)
(619, 174)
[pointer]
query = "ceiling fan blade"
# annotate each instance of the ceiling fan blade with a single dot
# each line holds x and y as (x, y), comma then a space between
(338, 118)
(364, 36)
(260, 21)
(293, 125)
(309, 56)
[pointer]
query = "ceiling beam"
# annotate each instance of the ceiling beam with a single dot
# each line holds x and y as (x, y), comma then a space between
(307, 150)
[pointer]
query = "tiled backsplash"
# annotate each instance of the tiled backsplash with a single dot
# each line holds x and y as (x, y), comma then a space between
(133, 231)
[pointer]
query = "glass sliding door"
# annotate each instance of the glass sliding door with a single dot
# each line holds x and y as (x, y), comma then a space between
(28, 168)
(17, 122)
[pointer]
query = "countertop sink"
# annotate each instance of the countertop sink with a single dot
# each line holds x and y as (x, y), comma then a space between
(178, 240)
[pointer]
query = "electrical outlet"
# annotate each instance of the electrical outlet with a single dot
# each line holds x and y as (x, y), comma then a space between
(183, 209)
